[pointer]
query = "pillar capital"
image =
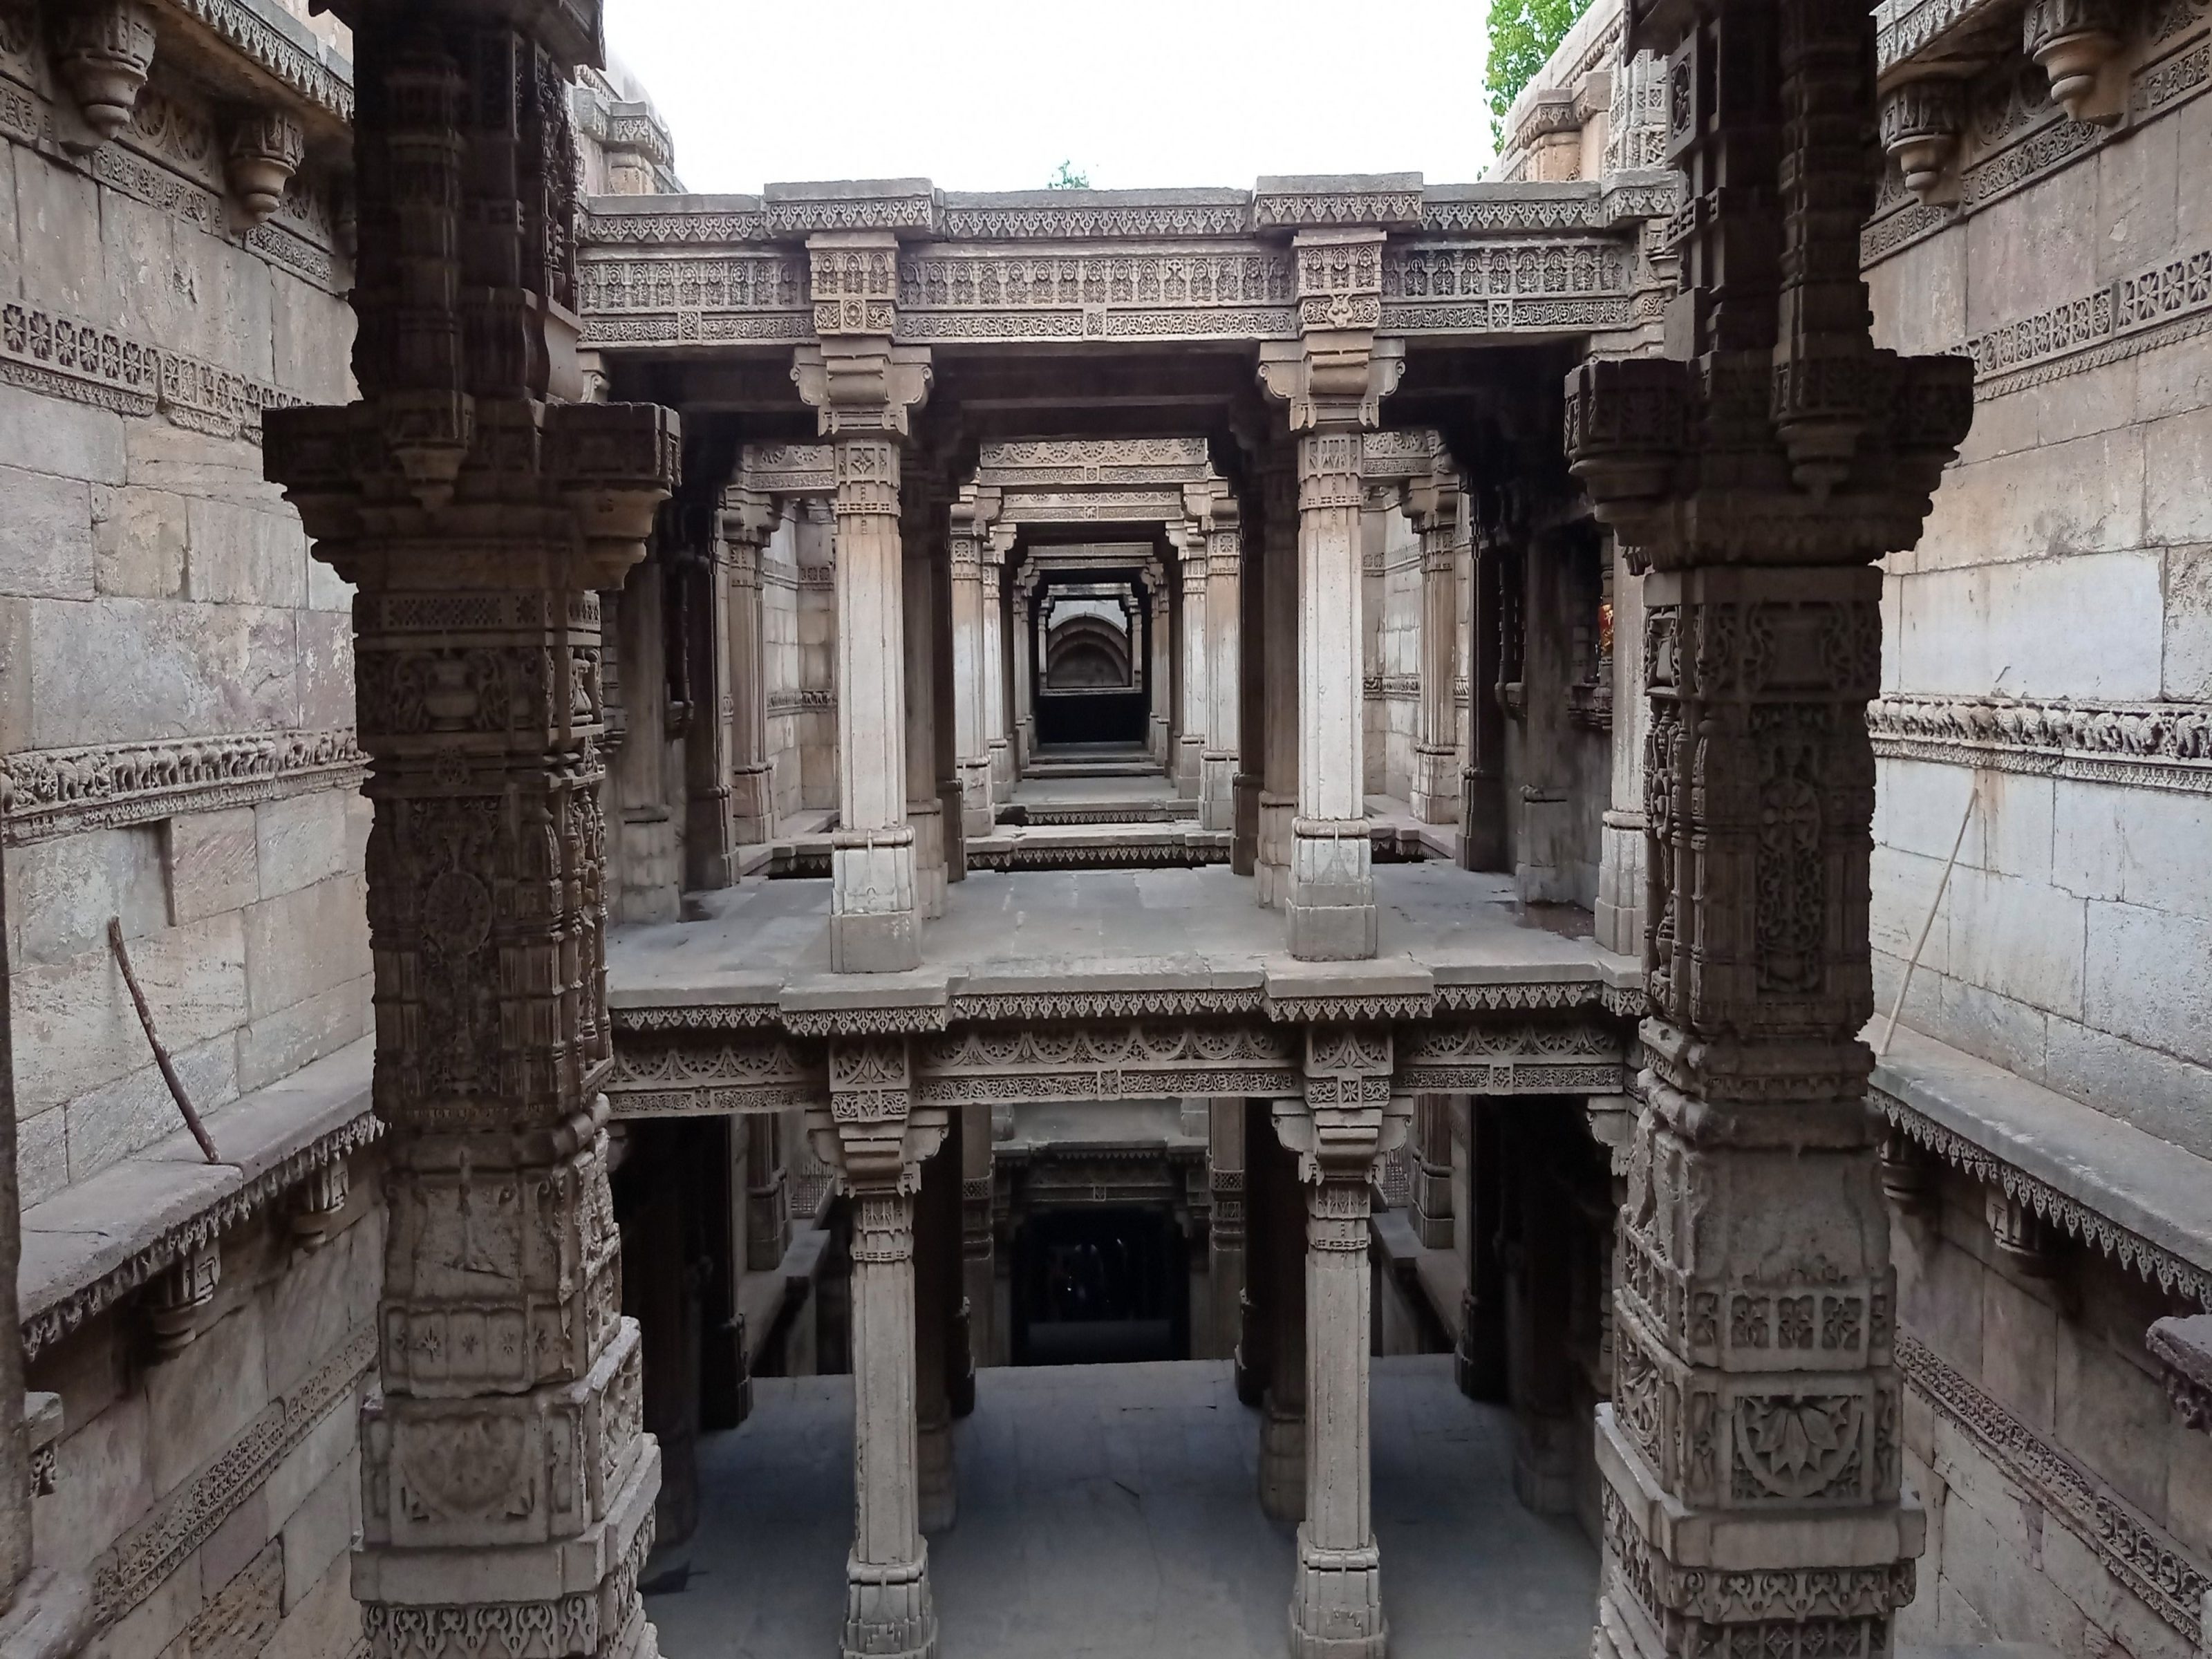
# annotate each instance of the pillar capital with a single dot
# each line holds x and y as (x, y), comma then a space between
(862, 384)
(870, 1132)
(1333, 381)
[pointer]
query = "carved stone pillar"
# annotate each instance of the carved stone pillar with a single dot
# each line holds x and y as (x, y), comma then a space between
(1224, 1232)
(1482, 829)
(507, 1486)
(768, 1202)
(1750, 1456)
(1196, 700)
(1255, 718)
(972, 670)
(1216, 802)
(875, 1136)
(925, 810)
(1278, 798)
(1338, 1133)
(1435, 507)
(1333, 379)
(977, 1266)
(1159, 660)
(864, 390)
(936, 1297)
(1432, 1171)
(1283, 1323)
(997, 721)
(749, 519)
(709, 828)
(1024, 631)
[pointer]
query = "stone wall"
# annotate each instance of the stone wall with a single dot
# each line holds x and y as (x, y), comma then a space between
(2067, 1505)
(177, 718)
(2049, 643)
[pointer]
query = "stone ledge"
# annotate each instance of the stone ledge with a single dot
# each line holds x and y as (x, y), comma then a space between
(2142, 1200)
(92, 1243)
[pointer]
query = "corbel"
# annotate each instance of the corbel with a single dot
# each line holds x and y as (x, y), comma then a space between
(265, 150)
(2022, 1236)
(105, 51)
(2183, 1348)
(2073, 41)
(1922, 121)
(178, 1300)
(318, 1204)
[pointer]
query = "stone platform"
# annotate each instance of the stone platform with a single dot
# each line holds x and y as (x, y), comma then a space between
(1110, 1512)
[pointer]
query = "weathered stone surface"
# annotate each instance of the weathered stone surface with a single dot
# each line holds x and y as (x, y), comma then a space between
(139, 538)
(199, 1401)
(104, 1467)
(303, 840)
(61, 893)
(2177, 459)
(198, 670)
(273, 1046)
(212, 862)
(319, 1531)
(301, 944)
(2086, 627)
(2168, 1007)
(46, 536)
(244, 555)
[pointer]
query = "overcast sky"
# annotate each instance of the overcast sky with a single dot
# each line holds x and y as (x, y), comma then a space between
(992, 94)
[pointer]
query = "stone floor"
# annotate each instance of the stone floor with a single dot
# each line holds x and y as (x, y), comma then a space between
(1107, 1511)
(1071, 929)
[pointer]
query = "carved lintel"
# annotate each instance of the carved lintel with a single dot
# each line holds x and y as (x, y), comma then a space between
(105, 52)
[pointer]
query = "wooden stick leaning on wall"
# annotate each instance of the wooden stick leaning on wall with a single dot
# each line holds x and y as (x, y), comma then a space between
(161, 1054)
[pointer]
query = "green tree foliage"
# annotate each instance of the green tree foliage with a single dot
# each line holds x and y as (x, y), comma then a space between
(1070, 176)
(1522, 34)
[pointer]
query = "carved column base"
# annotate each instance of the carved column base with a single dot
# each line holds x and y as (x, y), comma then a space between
(976, 816)
(1336, 1604)
(1024, 744)
(1618, 916)
(1216, 800)
(752, 804)
(1331, 892)
(578, 1595)
(1189, 765)
(875, 926)
(1002, 768)
(1482, 821)
(938, 1478)
(1436, 785)
(889, 1614)
(1244, 831)
(1282, 1457)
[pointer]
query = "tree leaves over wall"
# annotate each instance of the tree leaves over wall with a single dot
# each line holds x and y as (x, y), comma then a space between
(1522, 35)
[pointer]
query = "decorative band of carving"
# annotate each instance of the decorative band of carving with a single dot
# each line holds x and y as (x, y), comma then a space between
(61, 356)
(805, 699)
(145, 1558)
(2131, 1250)
(1391, 688)
(46, 792)
(299, 66)
(2148, 746)
(2151, 1566)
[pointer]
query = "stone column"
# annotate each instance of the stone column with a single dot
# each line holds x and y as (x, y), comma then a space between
(978, 1268)
(709, 806)
(936, 1293)
(1254, 1354)
(878, 1138)
(1340, 1133)
(1195, 701)
(748, 520)
(1224, 1236)
(1750, 1453)
(864, 389)
(1216, 799)
(1432, 1171)
(997, 721)
(925, 810)
(1278, 798)
(1158, 668)
(1255, 718)
(506, 1484)
(1433, 503)
(768, 1204)
(972, 669)
(1333, 378)
(1483, 844)
(1617, 918)
(1024, 631)
(1480, 1359)
(1283, 1308)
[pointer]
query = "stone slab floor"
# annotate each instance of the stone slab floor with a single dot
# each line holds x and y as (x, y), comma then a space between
(1108, 1511)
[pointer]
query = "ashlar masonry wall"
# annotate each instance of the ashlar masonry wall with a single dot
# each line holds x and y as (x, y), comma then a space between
(2049, 643)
